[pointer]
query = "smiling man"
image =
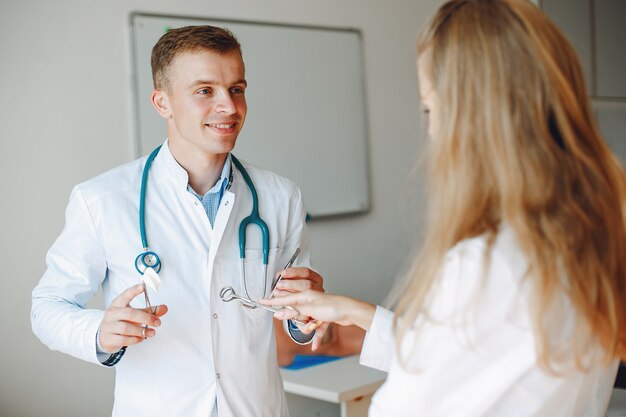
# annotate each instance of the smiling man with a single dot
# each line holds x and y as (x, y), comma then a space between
(190, 354)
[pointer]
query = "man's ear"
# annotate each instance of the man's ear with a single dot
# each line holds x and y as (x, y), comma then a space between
(161, 103)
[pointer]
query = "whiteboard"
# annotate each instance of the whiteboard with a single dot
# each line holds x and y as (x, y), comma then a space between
(306, 106)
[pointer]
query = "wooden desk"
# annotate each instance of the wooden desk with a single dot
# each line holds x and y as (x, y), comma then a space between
(341, 388)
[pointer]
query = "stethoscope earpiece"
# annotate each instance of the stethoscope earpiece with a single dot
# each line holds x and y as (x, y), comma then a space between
(147, 259)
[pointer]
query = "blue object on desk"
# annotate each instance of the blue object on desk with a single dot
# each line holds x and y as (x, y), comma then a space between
(305, 361)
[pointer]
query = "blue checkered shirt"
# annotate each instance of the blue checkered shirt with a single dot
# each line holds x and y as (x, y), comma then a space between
(211, 200)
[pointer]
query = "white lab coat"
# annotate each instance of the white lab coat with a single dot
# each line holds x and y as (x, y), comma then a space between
(478, 358)
(205, 349)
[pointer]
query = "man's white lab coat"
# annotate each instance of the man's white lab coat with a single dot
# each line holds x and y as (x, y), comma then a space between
(206, 349)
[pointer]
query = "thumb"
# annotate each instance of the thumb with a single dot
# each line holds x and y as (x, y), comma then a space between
(124, 299)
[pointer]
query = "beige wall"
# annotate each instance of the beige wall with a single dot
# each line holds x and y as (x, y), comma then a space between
(65, 116)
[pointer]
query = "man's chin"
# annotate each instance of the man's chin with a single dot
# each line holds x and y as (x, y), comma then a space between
(221, 146)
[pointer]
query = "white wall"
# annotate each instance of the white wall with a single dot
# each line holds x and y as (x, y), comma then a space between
(65, 116)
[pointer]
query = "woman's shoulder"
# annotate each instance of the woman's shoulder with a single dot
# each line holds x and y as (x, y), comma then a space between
(480, 271)
(485, 253)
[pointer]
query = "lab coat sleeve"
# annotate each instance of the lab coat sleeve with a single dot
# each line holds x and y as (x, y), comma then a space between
(76, 267)
(298, 236)
(378, 345)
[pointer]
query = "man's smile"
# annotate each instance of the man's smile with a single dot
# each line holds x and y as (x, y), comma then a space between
(221, 125)
(223, 128)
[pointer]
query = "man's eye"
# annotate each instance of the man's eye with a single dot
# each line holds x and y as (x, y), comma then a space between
(237, 90)
(204, 91)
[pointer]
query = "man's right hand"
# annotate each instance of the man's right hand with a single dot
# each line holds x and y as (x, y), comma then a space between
(124, 326)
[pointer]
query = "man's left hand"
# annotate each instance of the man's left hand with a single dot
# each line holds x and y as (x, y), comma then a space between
(297, 280)
(300, 279)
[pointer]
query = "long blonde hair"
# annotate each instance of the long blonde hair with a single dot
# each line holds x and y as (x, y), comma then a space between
(517, 143)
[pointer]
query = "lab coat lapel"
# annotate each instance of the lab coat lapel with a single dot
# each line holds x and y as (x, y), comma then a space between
(221, 220)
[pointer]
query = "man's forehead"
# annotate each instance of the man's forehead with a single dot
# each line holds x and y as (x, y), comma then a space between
(208, 66)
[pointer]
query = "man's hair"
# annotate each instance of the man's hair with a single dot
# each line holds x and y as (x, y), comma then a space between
(188, 39)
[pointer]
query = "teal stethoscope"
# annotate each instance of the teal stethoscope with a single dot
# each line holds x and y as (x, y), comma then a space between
(150, 259)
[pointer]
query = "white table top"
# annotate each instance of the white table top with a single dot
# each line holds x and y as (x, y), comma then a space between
(337, 381)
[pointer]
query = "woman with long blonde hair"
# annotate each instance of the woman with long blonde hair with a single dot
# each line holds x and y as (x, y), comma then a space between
(514, 305)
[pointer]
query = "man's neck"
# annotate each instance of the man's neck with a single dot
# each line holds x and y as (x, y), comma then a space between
(202, 168)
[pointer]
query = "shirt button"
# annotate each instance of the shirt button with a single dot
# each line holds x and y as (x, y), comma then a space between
(218, 375)
(214, 315)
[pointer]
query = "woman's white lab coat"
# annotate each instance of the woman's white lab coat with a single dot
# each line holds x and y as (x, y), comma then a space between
(477, 357)
(206, 349)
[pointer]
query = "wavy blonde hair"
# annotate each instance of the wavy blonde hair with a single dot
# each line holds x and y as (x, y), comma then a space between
(518, 144)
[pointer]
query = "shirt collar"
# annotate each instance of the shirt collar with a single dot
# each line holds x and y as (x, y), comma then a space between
(176, 173)
(221, 183)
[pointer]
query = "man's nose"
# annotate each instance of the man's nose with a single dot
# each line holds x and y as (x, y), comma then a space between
(225, 104)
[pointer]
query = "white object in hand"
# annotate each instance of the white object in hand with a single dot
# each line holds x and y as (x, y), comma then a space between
(151, 279)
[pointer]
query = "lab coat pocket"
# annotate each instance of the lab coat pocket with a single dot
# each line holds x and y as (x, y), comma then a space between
(257, 285)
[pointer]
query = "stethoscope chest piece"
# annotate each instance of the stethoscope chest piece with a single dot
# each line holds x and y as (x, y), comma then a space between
(147, 259)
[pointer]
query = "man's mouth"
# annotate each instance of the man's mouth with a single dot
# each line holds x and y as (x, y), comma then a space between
(222, 125)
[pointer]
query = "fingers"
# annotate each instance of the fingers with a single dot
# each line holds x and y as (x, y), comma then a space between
(320, 331)
(117, 341)
(295, 305)
(159, 310)
(289, 299)
(299, 272)
(317, 324)
(299, 279)
(293, 285)
(126, 329)
(287, 314)
(281, 293)
(309, 325)
(139, 317)
(133, 315)
(127, 326)
(124, 299)
(123, 325)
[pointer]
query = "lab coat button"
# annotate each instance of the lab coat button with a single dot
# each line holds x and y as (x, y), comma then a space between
(214, 315)
(226, 203)
(218, 375)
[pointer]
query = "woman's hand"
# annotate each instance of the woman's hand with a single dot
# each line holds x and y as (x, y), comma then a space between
(324, 307)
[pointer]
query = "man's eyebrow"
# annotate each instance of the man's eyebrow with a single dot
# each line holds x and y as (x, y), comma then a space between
(210, 82)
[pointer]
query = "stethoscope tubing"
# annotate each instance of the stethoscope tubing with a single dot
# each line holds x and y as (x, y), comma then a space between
(149, 258)
(253, 218)
(142, 197)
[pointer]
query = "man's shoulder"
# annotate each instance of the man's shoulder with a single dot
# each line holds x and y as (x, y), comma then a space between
(121, 179)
